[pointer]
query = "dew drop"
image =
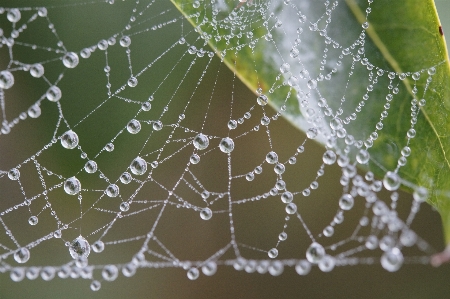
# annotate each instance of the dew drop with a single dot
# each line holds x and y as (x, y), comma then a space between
(14, 174)
(125, 41)
(13, 15)
(17, 274)
(37, 70)
(70, 60)
(112, 190)
(54, 94)
(138, 166)
(302, 267)
(194, 159)
(201, 141)
(226, 145)
(72, 186)
(69, 140)
(315, 253)
(79, 248)
(6, 80)
(110, 272)
(329, 157)
(279, 168)
(272, 158)
(311, 133)
(206, 213)
(327, 263)
(287, 197)
(363, 156)
(272, 253)
(346, 202)
(95, 285)
(22, 255)
(98, 246)
(391, 181)
(33, 220)
(262, 100)
(282, 236)
(420, 194)
(90, 166)
(209, 269)
(133, 126)
(157, 125)
(125, 178)
(132, 82)
(392, 259)
(291, 208)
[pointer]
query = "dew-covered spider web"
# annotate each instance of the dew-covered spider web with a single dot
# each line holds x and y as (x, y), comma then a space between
(129, 143)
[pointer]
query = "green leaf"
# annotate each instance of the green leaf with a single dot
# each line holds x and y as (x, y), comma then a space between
(402, 37)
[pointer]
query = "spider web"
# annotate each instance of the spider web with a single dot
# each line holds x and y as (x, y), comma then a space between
(128, 143)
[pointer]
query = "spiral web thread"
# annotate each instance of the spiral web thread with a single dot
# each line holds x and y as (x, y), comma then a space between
(182, 134)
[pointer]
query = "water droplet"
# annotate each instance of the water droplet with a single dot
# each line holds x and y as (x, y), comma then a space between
(69, 139)
(346, 202)
(34, 111)
(70, 60)
(124, 206)
(109, 147)
(125, 41)
(14, 174)
(37, 70)
(110, 272)
(420, 194)
(129, 270)
(54, 94)
(196, 4)
(285, 67)
(194, 159)
(328, 231)
(90, 166)
(226, 145)
(312, 133)
(392, 260)
(365, 25)
(272, 158)
(32, 273)
(33, 220)
(431, 71)
(303, 267)
(138, 166)
(6, 80)
(312, 84)
(279, 168)
(315, 253)
(132, 82)
(206, 213)
(280, 185)
(157, 125)
(22, 255)
(282, 236)
(98, 246)
(201, 141)
(146, 106)
(95, 285)
(133, 126)
(291, 208)
(329, 157)
(327, 263)
(79, 248)
(273, 253)
(13, 15)
(250, 176)
(17, 274)
(262, 100)
(363, 156)
(287, 197)
(193, 273)
(72, 186)
(210, 268)
(48, 273)
(391, 181)
(112, 190)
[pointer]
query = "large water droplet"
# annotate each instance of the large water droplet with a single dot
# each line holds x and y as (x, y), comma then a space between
(303, 267)
(206, 213)
(95, 285)
(327, 263)
(363, 156)
(13, 15)
(33, 220)
(37, 70)
(70, 60)
(346, 202)
(193, 273)
(210, 268)
(262, 100)
(201, 141)
(69, 139)
(315, 253)
(329, 157)
(110, 272)
(312, 133)
(272, 253)
(391, 181)
(90, 166)
(226, 145)
(133, 126)
(22, 255)
(272, 158)
(79, 248)
(53, 94)
(291, 208)
(98, 246)
(14, 174)
(6, 79)
(112, 190)
(138, 166)
(72, 186)
(125, 41)
(392, 259)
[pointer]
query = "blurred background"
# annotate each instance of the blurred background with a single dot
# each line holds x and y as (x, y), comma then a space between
(76, 24)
